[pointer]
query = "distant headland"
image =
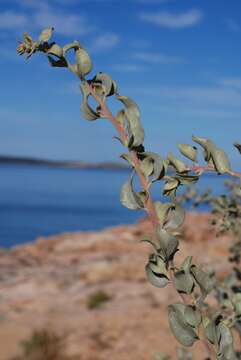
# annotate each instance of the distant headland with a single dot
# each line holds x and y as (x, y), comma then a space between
(17, 160)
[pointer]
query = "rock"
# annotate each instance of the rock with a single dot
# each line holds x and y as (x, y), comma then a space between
(47, 284)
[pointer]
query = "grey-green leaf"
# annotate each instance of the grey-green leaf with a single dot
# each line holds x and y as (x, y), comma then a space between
(56, 50)
(238, 147)
(74, 45)
(83, 62)
(168, 244)
(27, 38)
(186, 179)
(147, 166)
(225, 351)
(186, 264)
(206, 144)
(189, 151)
(157, 280)
(46, 34)
(108, 85)
(158, 165)
(203, 279)
(170, 186)
(128, 197)
(210, 332)
(236, 300)
(220, 161)
(176, 217)
(156, 271)
(176, 163)
(87, 112)
(163, 210)
(135, 130)
(182, 331)
(192, 316)
(183, 282)
(183, 279)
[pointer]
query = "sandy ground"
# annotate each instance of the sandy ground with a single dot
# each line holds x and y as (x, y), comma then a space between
(46, 284)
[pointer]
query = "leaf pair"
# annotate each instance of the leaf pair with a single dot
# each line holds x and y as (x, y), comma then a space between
(86, 110)
(156, 271)
(183, 279)
(168, 245)
(219, 334)
(131, 199)
(152, 165)
(178, 165)
(131, 117)
(184, 321)
(81, 67)
(204, 280)
(188, 151)
(170, 215)
(214, 156)
(190, 275)
(103, 85)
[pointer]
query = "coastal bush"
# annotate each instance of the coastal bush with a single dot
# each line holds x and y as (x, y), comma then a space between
(190, 320)
(97, 299)
(43, 345)
(226, 211)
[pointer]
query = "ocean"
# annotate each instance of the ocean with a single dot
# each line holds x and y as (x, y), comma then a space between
(40, 200)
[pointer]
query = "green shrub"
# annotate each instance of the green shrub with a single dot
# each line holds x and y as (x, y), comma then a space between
(97, 299)
(189, 317)
(43, 345)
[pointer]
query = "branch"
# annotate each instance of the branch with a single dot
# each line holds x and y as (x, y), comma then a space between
(136, 162)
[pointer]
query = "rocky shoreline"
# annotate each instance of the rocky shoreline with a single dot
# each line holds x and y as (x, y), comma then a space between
(47, 284)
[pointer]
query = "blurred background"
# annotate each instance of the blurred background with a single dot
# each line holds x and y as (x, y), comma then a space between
(178, 59)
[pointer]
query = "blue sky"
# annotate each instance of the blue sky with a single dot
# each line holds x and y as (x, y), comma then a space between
(180, 60)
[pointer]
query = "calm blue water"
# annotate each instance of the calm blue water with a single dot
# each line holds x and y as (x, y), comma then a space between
(40, 201)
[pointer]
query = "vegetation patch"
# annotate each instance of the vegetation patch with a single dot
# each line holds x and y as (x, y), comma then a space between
(97, 299)
(43, 345)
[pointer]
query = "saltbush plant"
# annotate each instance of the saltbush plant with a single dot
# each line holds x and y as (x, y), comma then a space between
(226, 217)
(97, 299)
(189, 319)
(43, 344)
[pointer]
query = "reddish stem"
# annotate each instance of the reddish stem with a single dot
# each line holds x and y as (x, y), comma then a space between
(150, 207)
(200, 169)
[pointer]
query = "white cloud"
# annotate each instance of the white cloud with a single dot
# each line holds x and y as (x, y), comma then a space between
(233, 25)
(66, 23)
(12, 20)
(33, 4)
(152, 1)
(38, 4)
(155, 58)
(128, 68)
(105, 41)
(173, 20)
(215, 98)
(232, 82)
(140, 44)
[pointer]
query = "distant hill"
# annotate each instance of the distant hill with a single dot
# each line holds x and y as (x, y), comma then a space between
(4, 159)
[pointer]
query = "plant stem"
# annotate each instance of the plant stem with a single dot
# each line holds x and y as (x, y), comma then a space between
(150, 207)
(201, 169)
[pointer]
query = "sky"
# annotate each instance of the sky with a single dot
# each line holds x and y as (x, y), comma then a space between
(180, 60)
